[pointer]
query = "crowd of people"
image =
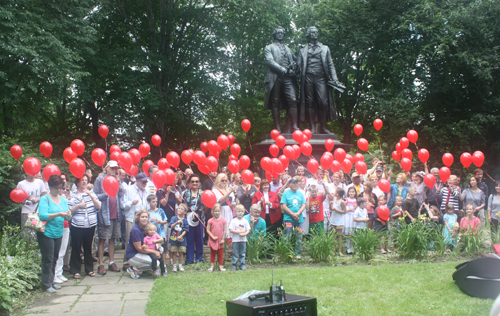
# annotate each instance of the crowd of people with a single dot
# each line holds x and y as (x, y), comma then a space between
(171, 224)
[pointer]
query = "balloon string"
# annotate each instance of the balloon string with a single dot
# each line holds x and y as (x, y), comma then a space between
(380, 146)
(106, 147)
(490, 177)
(88, 164)
(371, 154)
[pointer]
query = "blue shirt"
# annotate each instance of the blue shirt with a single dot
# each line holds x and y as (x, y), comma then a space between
(293, 201)
(136, 235)
(259, 229)
(55, 227)
(159, 214)
(177, 231)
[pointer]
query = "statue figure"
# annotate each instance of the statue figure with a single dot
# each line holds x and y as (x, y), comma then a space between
(318, 77)
(281, 84)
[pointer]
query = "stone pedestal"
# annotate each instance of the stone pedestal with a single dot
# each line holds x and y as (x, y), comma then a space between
(317, 142)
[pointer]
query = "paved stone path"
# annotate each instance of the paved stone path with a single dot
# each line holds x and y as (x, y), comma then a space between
(115, 293)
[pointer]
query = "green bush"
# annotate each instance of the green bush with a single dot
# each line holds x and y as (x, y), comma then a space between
(322, 247)
(413, 240)
(258, 248)
(470, 243)
(366, 241)
(283, 248)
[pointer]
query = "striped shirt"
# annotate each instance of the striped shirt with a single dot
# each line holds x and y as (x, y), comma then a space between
(453, 198)
(83, 218)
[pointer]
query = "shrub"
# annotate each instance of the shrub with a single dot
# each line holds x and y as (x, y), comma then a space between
(283, 248)
(413, 240)
(258, 248)
(365, 242)
(322, 247)
(470, 243)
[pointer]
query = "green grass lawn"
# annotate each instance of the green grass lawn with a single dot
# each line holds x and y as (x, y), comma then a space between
(386, 289)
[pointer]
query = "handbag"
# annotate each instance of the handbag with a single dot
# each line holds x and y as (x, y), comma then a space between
(35, 223)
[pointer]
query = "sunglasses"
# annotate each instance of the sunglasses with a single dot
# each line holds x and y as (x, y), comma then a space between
(195, 181)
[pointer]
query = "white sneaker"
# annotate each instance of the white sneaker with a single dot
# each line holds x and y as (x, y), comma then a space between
(57, 280)
(174, 269)
(63, 278)
(181, 268)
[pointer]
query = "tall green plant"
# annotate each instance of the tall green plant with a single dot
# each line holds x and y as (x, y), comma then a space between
(257, 248)
(413, 240)
(322, 247)
(366, 241)
(470, 242)
(283, 248)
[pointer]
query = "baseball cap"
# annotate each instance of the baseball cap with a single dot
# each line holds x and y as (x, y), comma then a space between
(141, 176)
(379, 169)
(355, 174)
(112, 164)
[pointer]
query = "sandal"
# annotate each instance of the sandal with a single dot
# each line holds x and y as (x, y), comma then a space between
(77, 276)
(91, 274)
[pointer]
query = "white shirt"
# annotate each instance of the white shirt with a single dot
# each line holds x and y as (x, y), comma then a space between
(240, 225)
(34, 190)
(275, 187)
(133, 193)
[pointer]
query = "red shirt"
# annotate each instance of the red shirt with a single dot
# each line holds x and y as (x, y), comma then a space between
(113, 208)
(316, 208)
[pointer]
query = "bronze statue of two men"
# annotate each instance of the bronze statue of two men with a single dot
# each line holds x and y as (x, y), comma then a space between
(318, 79)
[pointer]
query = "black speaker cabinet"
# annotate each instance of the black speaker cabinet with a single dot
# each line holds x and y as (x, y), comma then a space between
(293, 305)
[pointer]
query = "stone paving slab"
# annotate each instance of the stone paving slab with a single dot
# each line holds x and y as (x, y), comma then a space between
(135, 307)
(65, 299)
(52, 308)
(110, 308)
(120, 288)
(72, 290)
(101, 297)
(135, 296)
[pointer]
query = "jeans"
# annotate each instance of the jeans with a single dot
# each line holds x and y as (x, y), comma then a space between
(239, 249)
(49, 248)
(81, 237)
(288, 233)
(194, 237)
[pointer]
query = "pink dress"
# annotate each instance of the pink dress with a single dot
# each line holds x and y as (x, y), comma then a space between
(149, 241)
(472, 224)
(217, 229)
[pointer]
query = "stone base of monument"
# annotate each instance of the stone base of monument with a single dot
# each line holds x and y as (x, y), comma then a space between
(317, 142)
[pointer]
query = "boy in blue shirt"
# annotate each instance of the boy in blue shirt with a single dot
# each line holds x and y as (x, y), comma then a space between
(158, 218)
(293, 204)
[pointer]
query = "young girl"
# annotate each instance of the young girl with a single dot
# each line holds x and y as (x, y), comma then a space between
(381, 225)
(338, 209)
(350, 205)
(470, 223)
(216, 228)
(450, 218)
(153, 241)
(179, 228)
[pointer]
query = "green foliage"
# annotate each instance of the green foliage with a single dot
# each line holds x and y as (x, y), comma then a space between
(283, 248)
(366, 241)
(257, 248)
(470, 243)
(413, 240)
(322, 248)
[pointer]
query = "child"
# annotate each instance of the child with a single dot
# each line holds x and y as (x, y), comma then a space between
(410, 206)
(470, 222)
(158, 218)
(152, 241)
(361, 214)
(349, 226)
(315, 207)
(257, 223)
(381, 225)
(240, 228)
(449, 219)
(179, 227)
(396, 213)
(338, 209)
(216, 227)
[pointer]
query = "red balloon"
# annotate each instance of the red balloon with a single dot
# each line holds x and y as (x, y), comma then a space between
(336, 166)
(478, 158)
(423, 155)
(363, 144)
(406, 153)
(277, 166)
(245, 125)
(145, 166)
(213, 147)
(78, 147)
(103, 131)
(274, 134)
(429, 180)
(247, 176)
(349, 157)
(203, 169)
(187, 156)
(203, 148)
(98, 156)
(199, 158)
(16, 151)
(396, 156)
(284, 161)
(405, 164)
(77, 168)
(447, 159)
(274, 150)
(231, 139)
(159, 178)
(384, 185)
(133, 171)
(304, 137)
(50, 170)
(444, 174)
(18, 195)
(312, 165)
(412, 136)
(232, 157)
(170, 177)
(69, 155)
(212, 163)
(297, 136)
(347, 166)
(125, 160)
(378, 124)
(208, 198)
(466, 159)
(163, 164)
(399, 148)
(174, 159)
(383, 212)
(359, 157)
(266, 163)
(297, 150)
(307, 133)
(404, 142)
(135, 154)
(114, 155)
(361, 167)
(156, 140)
(289, 152)
(110, 185)
(280, 141)
(326, 160)
(223, 142)
(329, 144)
(244, 162)
(31, 166)
(306, 149)
(339, 155)
(358, 129)
(46, 149)
(114, 148)
(233, 166)
(269, 176)
(144, 149)
(235, 150)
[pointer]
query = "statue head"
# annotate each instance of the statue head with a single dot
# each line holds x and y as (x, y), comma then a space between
(279, 33)
(312, 33)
